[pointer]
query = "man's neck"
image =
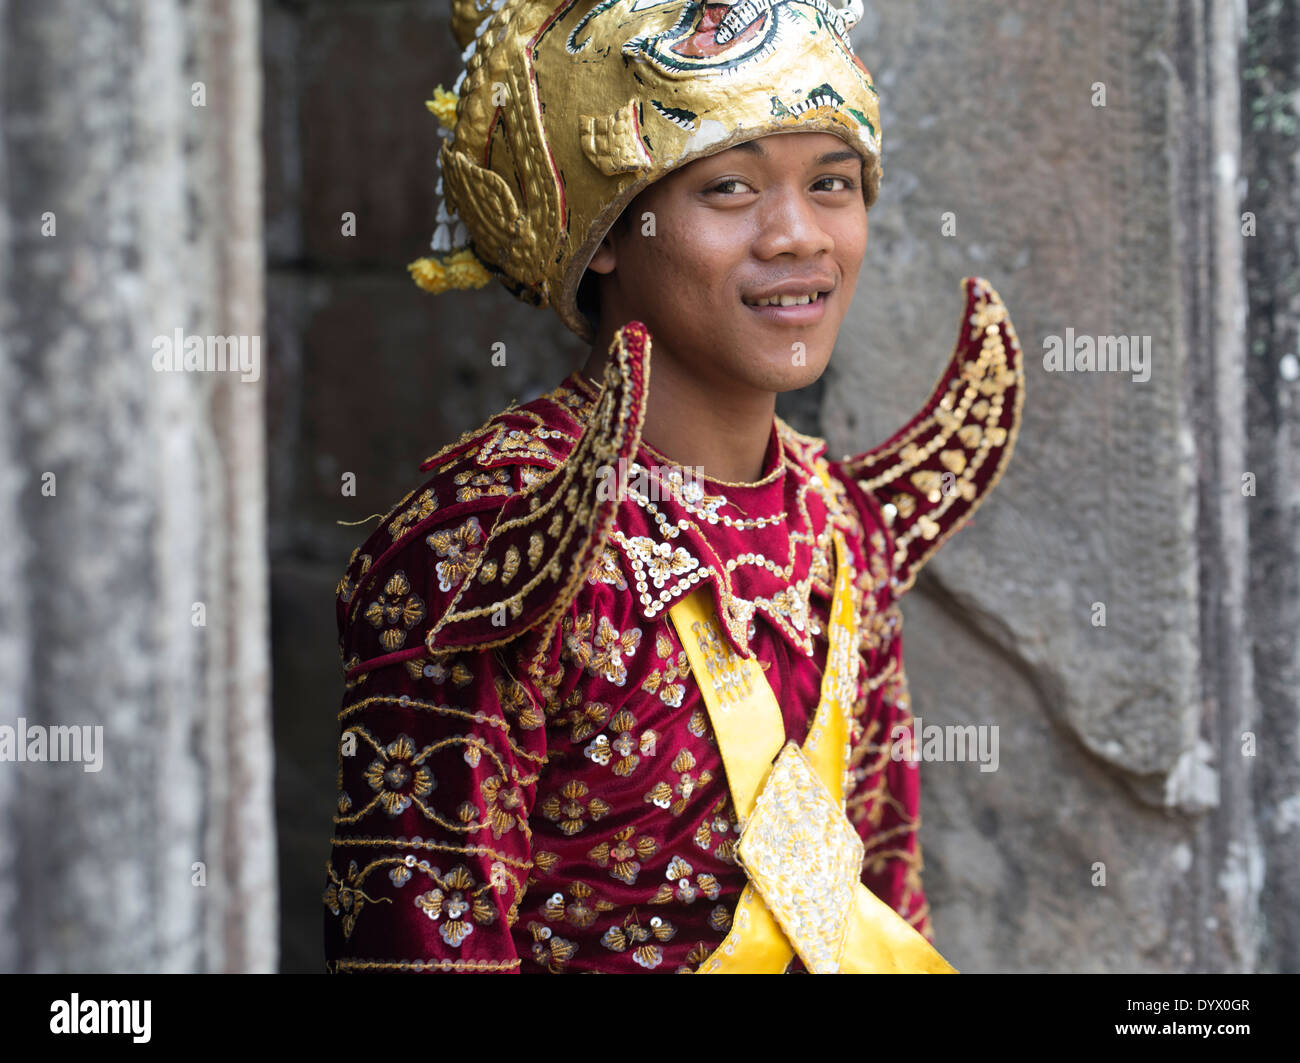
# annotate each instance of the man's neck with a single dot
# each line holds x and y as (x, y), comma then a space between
(724, 432)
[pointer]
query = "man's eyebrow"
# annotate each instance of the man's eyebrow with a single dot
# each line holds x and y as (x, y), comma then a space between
(837, 156)
(755, 148)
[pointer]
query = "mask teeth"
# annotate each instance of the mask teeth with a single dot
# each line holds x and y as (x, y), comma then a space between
(450, 233)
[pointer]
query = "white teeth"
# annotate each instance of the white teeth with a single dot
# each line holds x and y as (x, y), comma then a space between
(786, 300)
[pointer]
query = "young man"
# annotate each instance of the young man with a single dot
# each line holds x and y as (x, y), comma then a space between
(624, 675)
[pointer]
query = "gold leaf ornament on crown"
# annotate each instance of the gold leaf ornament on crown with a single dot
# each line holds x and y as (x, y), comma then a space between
(565, 111)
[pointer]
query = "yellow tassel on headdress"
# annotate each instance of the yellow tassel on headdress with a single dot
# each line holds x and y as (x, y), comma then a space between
(460, 269)
(443, 106)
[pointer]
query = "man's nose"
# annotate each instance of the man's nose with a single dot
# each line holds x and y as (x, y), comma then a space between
(791, 223)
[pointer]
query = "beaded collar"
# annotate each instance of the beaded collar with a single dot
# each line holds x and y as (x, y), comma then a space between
(765, 547)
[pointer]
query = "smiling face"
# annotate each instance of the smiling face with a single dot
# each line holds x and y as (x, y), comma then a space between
(780, 217)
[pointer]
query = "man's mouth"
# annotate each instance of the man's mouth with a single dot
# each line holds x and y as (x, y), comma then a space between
(787, 300)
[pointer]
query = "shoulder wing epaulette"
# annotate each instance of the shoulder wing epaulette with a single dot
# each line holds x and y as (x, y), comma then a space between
(484, 557)
(932, 474)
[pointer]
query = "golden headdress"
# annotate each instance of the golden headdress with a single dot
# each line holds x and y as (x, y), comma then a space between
(567, 109)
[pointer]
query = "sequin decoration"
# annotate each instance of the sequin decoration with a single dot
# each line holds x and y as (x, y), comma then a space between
(804, 857)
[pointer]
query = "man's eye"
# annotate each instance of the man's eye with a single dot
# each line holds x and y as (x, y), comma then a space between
(721, 186)
(733, 185)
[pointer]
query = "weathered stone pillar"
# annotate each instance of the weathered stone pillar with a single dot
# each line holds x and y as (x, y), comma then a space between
(134, 555)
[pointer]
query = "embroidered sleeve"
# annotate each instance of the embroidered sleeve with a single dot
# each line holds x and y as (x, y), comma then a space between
(438, 766)
(884, 800)
(931, 475)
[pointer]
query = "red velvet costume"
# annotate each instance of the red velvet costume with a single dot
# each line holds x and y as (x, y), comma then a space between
(550, 797)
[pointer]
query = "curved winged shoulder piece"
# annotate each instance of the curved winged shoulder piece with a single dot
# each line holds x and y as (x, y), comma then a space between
(931, 475)
(499, 540)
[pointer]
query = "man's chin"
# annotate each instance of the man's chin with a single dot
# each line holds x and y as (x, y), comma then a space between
(780, 369)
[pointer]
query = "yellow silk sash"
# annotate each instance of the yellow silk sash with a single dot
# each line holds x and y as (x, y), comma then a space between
(802, 856)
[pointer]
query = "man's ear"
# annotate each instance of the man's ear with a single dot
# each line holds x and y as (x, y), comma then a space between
(604, 259)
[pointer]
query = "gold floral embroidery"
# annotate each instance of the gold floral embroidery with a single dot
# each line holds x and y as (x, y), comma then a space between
(399, 778)
(662, 793)
(422, 507)
(602, 750)
(571, 807)
(518, 443)
(461, 547)
(687, 783)
(699, 953)
(436, 671)
(516, 703)
(789, 604)
(511, 564)
(581, 908)
(603, 654)
(585, 721)
(531, 476)
(631, 934)
(474, 485)
(819, 567)
(345, 895)
(399, 608)
(346, 587)
(504, 805)
(680, 886)
(577, 639)
(547, 684)
(549, 949)
(719, 826)
(874, 625)
(620, 856)
(679, 873)
(545, 862)
(608, 570)
(356, 681)
(664, 681)
(456, 899)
